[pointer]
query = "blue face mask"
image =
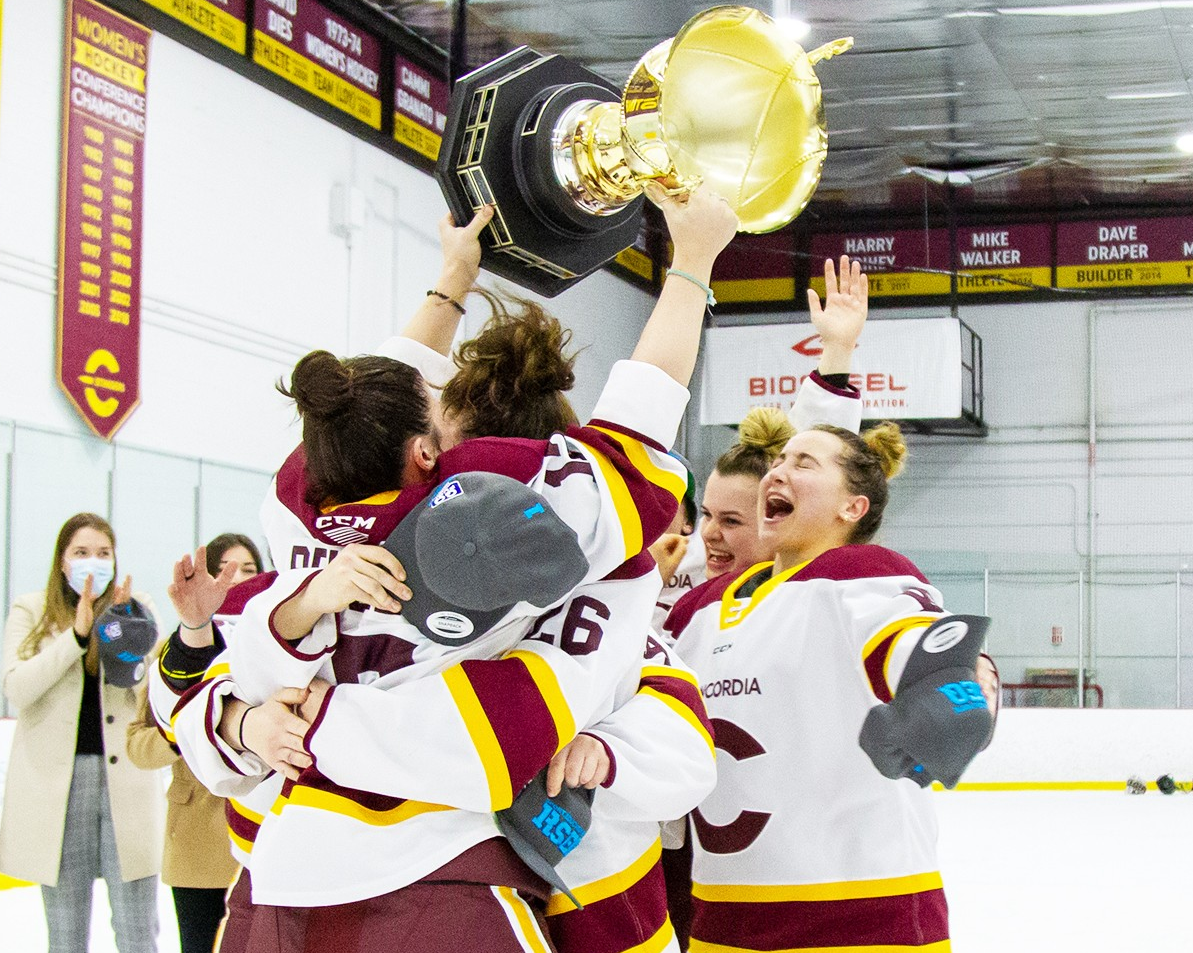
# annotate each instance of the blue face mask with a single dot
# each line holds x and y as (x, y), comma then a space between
(101, 569)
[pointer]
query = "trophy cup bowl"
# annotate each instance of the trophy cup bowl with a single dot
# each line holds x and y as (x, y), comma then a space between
(731, 101)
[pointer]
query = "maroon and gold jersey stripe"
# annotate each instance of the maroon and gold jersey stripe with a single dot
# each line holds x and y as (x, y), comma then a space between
(905, 913)
(633, 918)
(677, 689)
(876, 656)
(516, 715)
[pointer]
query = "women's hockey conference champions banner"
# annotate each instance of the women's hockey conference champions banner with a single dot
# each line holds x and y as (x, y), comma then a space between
(99, 244)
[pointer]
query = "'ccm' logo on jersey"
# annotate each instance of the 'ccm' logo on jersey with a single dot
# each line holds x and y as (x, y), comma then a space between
(345, 530)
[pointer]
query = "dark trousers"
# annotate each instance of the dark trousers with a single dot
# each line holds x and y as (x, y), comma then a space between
(199, 910)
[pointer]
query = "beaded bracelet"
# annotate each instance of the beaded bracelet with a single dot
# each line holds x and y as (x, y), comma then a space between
(452, 301)
(697, 282)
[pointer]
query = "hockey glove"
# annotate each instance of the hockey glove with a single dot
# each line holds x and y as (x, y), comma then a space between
(938, 720)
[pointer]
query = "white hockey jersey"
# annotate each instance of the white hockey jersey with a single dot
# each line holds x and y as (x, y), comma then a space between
(661, 744)
(496, 722)
(803, 844)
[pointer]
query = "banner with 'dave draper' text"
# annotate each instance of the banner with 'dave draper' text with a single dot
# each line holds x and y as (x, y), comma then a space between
(905, 370)
(99, 243)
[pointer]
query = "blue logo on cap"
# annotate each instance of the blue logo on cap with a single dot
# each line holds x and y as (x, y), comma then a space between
(559, 827)
(448, 491)
(533, 511)
(964, 696)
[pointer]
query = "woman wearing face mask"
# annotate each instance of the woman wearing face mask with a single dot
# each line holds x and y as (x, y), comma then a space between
(75, 807)
(197, 864)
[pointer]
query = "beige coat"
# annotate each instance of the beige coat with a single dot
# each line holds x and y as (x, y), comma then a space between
(47, 690)
(197, 852)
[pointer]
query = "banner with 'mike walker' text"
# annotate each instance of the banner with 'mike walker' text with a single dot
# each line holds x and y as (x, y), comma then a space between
(99, 240)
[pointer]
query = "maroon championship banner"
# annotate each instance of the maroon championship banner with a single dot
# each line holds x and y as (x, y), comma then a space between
(1003, 258)
(219, 20)
(420, 107)
(331, 58)
(755, 268)
(1124, 253)
(888, 257)
(99, 242)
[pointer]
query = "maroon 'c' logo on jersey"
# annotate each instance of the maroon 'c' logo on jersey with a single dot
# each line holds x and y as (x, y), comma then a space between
(744, 829)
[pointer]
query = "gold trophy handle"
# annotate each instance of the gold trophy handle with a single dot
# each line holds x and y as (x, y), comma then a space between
(829, 50)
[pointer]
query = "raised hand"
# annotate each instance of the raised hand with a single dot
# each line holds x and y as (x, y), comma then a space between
(700, 223)
(85, 611)
(123, 591)
(197, 595)
(461, 252)
(668, 552)
(841, 319)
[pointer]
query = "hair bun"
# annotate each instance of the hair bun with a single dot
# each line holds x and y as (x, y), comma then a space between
(321, 385)
(886, 440)
(766, 428)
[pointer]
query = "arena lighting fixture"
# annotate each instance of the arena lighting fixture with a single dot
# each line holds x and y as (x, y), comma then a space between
(790, 24)
(1172, 94)
(1095, 9)
(1185, 142)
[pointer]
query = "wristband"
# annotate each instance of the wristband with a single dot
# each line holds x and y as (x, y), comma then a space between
(452, 301)
(240, 729)
(196, 628)
(697, 282)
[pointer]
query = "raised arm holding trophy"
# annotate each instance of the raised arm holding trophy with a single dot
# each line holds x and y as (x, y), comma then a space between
(731, 101)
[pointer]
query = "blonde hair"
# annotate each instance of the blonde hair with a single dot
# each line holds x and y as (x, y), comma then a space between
(761, 436)
(886, 441)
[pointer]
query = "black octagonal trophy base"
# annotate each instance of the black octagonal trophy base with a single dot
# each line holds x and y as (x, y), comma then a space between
(497, 149)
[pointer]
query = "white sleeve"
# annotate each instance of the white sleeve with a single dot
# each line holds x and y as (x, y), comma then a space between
(488, 726)
(645, 399)
(886, 617)
(661, 741)
(437, 369)
(218, 766)
(261, 661)
(818, 402)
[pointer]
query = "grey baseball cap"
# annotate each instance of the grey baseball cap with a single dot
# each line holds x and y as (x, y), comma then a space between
(127, 632)
(478, 545)
(543, 830)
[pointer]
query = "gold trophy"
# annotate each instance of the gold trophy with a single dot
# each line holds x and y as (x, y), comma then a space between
(731, 101)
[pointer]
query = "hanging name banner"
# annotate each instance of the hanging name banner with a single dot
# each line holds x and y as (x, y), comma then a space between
(755, 268)
(905, 370)
(1124, 253)
(887, 258)
(99, 245)
(332, 59)
(219, 20)
(420, 107)
(1005, 258)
